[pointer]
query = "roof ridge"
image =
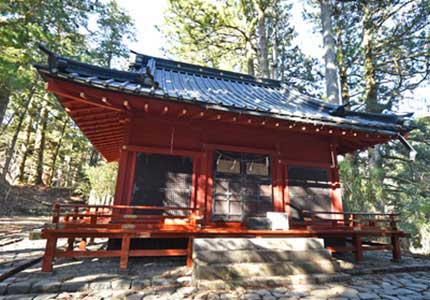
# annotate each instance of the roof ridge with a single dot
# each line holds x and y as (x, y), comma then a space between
(203, 70)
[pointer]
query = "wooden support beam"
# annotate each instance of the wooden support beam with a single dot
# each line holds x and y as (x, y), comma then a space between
(117, 140)
(93, 137)
(51, 245)
(106, 101)
(70, 243)
(200, 115)
(125, 248)
(395, 242)
(103, 131)
(190, 252)
(93, 116)
(165, 110)
(109, 143)
(86, 109)
(85, 100)
(358, 247)
(106, 135)
(127, 105)
(109, 125)
(99, 121)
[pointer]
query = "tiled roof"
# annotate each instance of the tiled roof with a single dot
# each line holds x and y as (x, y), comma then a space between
(223, 90)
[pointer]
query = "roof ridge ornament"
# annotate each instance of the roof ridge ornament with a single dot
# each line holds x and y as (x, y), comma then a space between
(55, 62)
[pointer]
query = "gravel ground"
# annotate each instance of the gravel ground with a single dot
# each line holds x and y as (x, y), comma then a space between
(167, 278)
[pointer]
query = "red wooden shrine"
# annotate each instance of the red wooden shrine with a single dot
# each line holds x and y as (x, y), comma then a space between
(207, 151)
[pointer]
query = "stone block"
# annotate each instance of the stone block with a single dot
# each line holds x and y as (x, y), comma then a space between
(285, 244)
(101, 285)
(20, 287)
(246, 270)
(244, 256)
(138, 284)
(121, 283)
(3, 287)
(46, 286)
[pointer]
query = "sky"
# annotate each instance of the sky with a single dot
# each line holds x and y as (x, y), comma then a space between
(148, 14)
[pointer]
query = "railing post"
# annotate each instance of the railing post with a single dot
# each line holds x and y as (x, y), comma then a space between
(395, 242)
(190, 252)
(125, 249)
(358, 247)
(75, 214)
(56, 213)
(51, 246)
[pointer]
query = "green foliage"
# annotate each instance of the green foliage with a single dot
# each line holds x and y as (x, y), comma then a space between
(404, 187)
(101, 180)
(89, 30)
(225, 34)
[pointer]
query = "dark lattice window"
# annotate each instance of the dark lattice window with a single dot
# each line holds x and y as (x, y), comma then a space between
(163, 180)
(309, 189)
(242, 186)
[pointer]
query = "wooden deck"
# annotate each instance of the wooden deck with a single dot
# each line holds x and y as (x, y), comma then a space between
(87, 222)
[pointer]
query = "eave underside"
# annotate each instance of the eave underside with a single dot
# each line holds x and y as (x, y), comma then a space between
(103, 117)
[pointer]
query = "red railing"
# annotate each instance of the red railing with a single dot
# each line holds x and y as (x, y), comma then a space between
(355, 220)
(123, 214)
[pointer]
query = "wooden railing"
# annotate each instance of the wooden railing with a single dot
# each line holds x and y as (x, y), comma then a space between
(87, 222)
(79, 221)
(355, 220)
(66, 215)
(359, 224)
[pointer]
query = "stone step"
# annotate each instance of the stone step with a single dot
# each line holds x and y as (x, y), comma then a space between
(274, 281)
(246, 256)
(284, 244)
(238, 271)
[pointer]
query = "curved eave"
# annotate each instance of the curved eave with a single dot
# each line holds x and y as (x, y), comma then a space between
(322, 120)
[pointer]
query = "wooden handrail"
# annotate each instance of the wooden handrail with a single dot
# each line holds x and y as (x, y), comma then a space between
(351, 213)
(138, 207)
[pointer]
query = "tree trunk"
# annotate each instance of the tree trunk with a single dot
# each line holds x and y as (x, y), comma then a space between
(94, 157)
(376, 174)
(329, 43)
(4, 101)
(11, 150)
(275, 74)
(371, 86)
(40, 143)
(26, 147)
(262, 40)
(343, 73)
(250, 59)
(56, 151)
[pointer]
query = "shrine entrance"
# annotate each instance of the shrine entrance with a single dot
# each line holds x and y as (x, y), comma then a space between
(242, 186)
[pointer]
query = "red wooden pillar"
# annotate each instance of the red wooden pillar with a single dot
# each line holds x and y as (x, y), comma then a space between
(285, 190)
(209, 185)
(277, 183)
(336, 199)
(129, 180)
(51, 246)
(201, 185)
(122, 170)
